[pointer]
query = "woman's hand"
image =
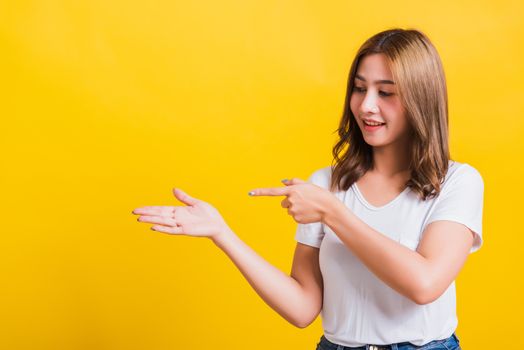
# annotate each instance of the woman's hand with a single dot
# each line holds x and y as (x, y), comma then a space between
(198, 218)
(305, 202)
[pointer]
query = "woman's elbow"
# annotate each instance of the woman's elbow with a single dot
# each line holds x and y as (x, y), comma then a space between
(426, 294)
(421, 299)
(303, 323)
(304, 320)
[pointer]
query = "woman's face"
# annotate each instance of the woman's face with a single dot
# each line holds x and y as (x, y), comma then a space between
(375, 98)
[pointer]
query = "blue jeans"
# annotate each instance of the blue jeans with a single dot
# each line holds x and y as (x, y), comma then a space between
(451, 343)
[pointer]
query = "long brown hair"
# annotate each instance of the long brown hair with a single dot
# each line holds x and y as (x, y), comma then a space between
(417, 70)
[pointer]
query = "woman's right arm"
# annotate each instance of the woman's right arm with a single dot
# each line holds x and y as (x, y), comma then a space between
(297, 298)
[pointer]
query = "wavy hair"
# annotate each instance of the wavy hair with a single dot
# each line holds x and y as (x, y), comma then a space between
(417, 70)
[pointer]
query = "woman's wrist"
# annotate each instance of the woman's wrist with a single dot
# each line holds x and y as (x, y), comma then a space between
(221, 238)
(332, 210)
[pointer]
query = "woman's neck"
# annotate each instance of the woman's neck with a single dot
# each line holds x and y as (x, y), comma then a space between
(391, 161)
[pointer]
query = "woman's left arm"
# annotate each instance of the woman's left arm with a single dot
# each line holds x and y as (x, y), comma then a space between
(421, 275)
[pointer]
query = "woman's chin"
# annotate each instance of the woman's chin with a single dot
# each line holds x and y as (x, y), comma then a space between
(374, 141)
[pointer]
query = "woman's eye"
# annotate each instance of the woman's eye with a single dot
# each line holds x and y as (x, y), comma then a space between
(382, 93)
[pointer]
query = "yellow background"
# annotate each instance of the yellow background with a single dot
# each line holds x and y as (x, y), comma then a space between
(108, 105)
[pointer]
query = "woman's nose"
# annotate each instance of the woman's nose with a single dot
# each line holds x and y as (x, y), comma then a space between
(369, 105)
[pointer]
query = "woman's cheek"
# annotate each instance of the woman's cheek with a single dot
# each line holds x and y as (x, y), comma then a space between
(354, 104)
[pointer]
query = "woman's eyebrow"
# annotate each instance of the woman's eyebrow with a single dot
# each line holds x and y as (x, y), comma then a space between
(376, 81)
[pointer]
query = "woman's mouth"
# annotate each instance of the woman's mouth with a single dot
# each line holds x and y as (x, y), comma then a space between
(372, 126)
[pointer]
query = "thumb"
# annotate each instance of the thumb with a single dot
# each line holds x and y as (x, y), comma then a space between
(184, 197)
(293, 181)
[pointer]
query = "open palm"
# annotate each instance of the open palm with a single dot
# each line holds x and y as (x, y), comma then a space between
(197, 218)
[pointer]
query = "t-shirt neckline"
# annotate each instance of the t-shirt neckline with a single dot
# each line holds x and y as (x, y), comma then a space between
(371, 206)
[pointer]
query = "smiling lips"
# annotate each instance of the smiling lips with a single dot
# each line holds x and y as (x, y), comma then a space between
(370, 125)
(371, 122)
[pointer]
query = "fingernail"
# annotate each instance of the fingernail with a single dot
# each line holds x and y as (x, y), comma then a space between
(251, 193)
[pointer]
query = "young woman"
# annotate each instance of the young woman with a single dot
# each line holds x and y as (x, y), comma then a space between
(383, 233)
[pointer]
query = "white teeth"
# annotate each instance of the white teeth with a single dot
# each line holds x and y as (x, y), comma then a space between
(373, 124)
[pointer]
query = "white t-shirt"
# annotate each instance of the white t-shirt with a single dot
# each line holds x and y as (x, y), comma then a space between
(358, 307)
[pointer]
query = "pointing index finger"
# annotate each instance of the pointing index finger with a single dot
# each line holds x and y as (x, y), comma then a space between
(274, 191)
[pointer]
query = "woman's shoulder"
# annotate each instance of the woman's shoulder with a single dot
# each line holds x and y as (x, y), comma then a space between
(321, 177)
(462, 172)
(458, 173)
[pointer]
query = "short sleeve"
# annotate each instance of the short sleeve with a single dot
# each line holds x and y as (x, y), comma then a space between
(461, 200)
(313, 233)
